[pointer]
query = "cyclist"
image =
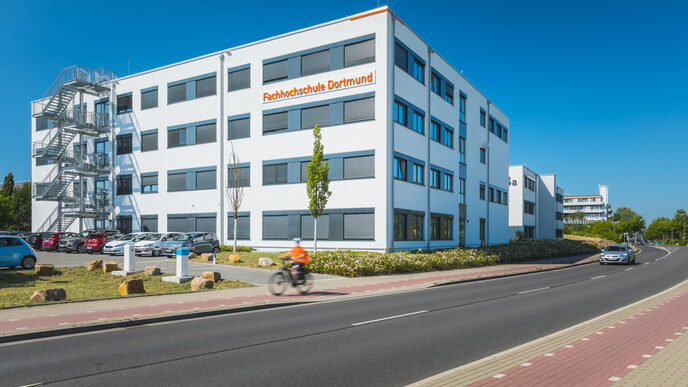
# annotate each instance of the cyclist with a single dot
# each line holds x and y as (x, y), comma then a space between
(299, 258)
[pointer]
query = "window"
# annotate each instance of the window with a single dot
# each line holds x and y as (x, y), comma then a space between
(124, 104)
(483, 116)
(124, 144)
(505, 134)
(416, 175)
(400, 113)
(149, 183)
(243, 226)
(275, 227)
(239, 79)
(529, 232)
(124, 223)
(418, 71)
(176, 93)
(441, 227)
(359, 53)
(359, 110)
(462, 190)
(498, 130)
(482, 229)
(191, 180)
(315, 63)
(435, 130)
(176, 182)
(205, 180)
(149, 99)
(206, 87)
(307, 227)
(448, 137)
(124, 185)
(529, 183)
(275, 71)
(274, 122)
(435, 83)
(418, 122)
(558, 215)
(275, 174)
(401, 57)
(559, 233)
(505, 198)
(529, 207)
(449, 93)
(559, 198)
(359, 167)
(399, 168)
(462, 108)
(149, 141)
(206, 133)
(243, 176)
(482, 191)
(318, 115)
(434, 178)
(408, 226)
(491, 194)
(483, 155)
(191, 223)
(447, 182)
(491, 123)
(462, 150)
(239, 128)
(359, 226)
(149, 223)
(176, 137)
(43, 124)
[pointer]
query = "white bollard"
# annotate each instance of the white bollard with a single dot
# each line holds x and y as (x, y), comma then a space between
(183, 262)
(214, 257)
(129, 258)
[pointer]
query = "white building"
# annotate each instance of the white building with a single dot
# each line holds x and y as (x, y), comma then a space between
(413, 147)
(593, 207)
(536, 204)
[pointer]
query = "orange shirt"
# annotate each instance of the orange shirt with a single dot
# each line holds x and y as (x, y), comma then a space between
(298, 254)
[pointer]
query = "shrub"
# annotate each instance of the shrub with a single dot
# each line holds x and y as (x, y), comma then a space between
(240, 249)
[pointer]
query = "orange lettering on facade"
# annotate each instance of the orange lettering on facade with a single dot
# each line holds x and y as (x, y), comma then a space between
(319, 87)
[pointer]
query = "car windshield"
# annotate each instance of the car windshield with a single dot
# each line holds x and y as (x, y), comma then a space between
(140, 237)
(153, 237)
(182, 237)
(127, 237)
(615, 248)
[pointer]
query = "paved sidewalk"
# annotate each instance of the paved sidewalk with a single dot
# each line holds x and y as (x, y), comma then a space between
(61, 316)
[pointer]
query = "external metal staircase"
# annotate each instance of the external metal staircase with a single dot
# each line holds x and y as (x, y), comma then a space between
(72, 163)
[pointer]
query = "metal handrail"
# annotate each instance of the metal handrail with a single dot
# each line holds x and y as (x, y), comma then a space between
(81, 73)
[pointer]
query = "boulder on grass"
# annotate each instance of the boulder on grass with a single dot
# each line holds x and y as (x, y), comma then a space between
(44, 295)
(192, 255)
(96, 264)
(152, 270)
(132, 286)
(207, 257)
(212, 275)
(235, 258)
(199, 283)
(110, 266)
(263, 261)
(45, 269)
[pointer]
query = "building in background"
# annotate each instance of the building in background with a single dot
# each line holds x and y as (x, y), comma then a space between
(593, 208)
(418, 156)
(536, 204)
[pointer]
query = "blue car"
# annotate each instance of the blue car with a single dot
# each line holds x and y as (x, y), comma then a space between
(14, 251)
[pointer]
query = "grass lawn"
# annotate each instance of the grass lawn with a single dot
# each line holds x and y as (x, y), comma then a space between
(248, 259)
(17, 287)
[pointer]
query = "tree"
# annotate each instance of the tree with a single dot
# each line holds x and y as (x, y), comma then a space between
(659, 229)
(235, 190)
(21, 203)
(6, 213)
(679, 223)
(318, 185)
(8, 186)
(578, 216)
(624, 213)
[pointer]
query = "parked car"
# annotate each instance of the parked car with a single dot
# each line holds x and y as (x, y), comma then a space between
(73, 242)
(36, 239)
(117, 246)
(617, 254)
(95, 241)
(197, 242)
(153, 244)
(51, 241)
(14, 251)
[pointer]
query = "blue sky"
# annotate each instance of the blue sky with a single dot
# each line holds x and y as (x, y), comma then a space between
(595, 90)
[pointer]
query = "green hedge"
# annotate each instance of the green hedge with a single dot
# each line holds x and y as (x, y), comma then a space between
(359, 263)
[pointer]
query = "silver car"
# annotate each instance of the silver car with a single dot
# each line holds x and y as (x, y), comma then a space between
(153, 244)
(617, 254)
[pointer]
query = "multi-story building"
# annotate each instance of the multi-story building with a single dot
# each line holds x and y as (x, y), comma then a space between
(418, 156)
(593, 207)
(536, 206)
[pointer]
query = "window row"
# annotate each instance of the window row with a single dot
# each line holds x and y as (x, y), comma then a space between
(333, 225)
(441, 179)
(498, 129)
(409, 170)
(408, 61)
(441, 133)
(341, 168)
(441, 227)
(498, 196)
(188, 180)
(529, 207)
(408, 116)
(179, 91)
(529, 183)
(442, 87)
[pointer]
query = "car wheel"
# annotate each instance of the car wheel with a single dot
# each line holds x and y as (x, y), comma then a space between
(156, 253)
(601, 263)
(81, 249)
(216, 249)
(28, 262)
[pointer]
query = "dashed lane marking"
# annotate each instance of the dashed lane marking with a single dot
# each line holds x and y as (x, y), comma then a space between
(599, 276)
(533, 290)
(389, 318)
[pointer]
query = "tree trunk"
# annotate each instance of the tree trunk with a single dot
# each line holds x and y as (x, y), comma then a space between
(315, 235)
(235, 233)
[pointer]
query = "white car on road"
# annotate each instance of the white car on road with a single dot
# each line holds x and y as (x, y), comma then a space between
(152, 245)
(116, 247)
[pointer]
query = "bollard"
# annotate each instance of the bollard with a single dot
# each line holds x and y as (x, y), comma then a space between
(182, 267)
(214, 257)
(129, 258)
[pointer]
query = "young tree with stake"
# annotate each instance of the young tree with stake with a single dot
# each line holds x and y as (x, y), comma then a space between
(235, 189)
(318, 184)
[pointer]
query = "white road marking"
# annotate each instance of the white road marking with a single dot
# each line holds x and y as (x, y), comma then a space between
(632, 366)
(647, 356)
(677, 333)
(599, 276)
(659, 347)
(32, 385)
(549, 354)
(13, 319)
(389, 318)
(136, 314)
(53, 315)
(630, 268)
(646, 263)
(568, 346)
(526, 364)
(499, 376)
(102, 319)
(90, 311)
(612, 327)
(599, 333)
(669, 340)
(21, 329)
(533, 290)
(64, 323)
(614, 379)
(585, 339)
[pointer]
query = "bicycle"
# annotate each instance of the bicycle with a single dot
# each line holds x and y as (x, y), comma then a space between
(278, 282)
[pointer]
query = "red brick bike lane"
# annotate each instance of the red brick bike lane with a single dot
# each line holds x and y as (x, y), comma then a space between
(605, 356)
(85, 316)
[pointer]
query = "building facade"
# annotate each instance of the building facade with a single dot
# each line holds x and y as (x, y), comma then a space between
(418, 157)
(593, 207)
(536, 206)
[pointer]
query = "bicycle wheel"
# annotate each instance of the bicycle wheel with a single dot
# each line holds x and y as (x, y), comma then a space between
(278, 283)
(307, 284)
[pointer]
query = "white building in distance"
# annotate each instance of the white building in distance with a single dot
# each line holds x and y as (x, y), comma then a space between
(536, 205)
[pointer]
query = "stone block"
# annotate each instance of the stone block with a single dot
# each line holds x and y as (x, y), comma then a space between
(110, 266)
(207, 257)
(132, 286)
(263, 261)
(212, 275)
(199, 283)
(44, 295)
(234, 258)
(45, 269)
(96, 264)
(152, 270)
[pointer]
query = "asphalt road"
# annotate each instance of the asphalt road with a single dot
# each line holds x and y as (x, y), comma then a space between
(351, 342)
